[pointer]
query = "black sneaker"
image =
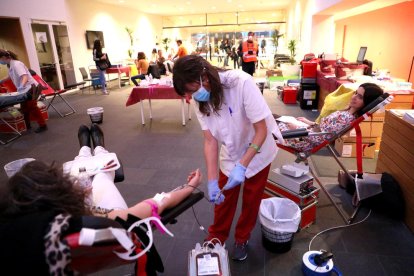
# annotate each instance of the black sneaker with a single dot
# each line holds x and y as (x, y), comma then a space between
(239, 251)
(40, 129)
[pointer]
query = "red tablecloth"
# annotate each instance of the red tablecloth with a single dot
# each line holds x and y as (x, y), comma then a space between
(153, 92)
(328, 84)
(119, 70)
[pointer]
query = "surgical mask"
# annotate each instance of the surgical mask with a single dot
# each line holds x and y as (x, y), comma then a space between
(201, 95)
(2, 62)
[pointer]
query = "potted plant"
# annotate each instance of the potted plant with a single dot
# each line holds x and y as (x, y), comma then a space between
(275, 39)
(166, 41)
(292, 68)
(131, 40)
(292, 49)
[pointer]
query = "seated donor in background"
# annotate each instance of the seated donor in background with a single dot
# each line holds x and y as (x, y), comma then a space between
(161, 63)
(335, 122)
(26, 85)
(40, 199)
(142, 66)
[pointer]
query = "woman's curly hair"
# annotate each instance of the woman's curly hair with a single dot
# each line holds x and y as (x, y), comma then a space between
(40, 187)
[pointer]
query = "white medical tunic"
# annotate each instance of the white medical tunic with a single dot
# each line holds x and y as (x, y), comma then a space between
(18, 69)
(243, 105)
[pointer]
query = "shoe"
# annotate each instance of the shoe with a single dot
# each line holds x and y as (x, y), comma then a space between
(40, 129)
(239, 251)
(105, 92)
(97, 136)
(84, 136)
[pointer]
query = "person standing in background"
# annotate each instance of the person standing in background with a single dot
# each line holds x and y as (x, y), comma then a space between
(249, 51)
(97, 56)
(23, 80)
(182, 51)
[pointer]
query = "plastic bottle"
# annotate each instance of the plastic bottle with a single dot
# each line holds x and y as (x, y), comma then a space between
(85, 181)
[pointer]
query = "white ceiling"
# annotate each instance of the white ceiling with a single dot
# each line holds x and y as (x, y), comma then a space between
(183, 7)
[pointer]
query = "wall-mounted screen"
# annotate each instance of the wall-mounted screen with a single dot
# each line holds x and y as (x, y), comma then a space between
(91, 36)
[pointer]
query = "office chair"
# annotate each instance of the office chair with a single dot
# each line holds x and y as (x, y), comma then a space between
(86, 78)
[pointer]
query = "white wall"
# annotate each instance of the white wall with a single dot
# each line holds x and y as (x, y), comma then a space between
(81, 15)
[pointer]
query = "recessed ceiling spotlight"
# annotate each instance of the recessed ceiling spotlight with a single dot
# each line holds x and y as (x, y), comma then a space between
(121, 1)
(188, 3)
(213, 7)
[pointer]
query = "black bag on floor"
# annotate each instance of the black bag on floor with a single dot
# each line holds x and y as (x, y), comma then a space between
(390, 202)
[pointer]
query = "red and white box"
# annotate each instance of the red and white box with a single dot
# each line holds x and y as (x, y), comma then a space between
(307, 202)
(289, 95)
(43, 109)
(13, 117)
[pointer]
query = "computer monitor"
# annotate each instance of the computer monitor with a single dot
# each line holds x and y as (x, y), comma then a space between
(361, 55)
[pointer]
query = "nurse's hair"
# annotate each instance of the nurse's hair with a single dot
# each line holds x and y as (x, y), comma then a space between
(188, 69)
(8, 54)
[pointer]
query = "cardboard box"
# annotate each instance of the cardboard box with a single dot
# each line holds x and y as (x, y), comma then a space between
(346, 147)
(368, 129)
(270, 73)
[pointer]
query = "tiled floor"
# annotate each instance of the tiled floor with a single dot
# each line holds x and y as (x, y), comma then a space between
(158, 156)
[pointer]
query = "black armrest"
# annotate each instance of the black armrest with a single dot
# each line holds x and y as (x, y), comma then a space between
(169, 215)
(294, 133)
(77, 223)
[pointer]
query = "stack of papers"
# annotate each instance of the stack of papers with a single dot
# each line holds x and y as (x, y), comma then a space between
(292, 120)
(409, 116)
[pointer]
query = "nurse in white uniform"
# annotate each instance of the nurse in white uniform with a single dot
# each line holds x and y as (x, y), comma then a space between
(238, 143)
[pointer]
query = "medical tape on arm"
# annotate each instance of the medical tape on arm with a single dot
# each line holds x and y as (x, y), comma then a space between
(159, 198)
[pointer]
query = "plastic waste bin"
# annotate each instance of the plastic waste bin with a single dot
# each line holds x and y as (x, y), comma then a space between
(279, 218)
(14, 166)
(96, 114)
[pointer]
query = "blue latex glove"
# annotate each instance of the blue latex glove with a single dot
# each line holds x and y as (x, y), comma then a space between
(213, 191)
(236, 177)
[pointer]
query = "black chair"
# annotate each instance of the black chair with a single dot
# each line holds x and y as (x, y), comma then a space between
(154, 71)
(86, 78)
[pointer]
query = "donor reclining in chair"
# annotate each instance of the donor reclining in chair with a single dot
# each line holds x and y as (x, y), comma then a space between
(40, 200)
(336, 121)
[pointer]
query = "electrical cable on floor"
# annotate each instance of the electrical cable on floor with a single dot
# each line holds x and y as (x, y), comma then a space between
(338, 227)
(192, 207)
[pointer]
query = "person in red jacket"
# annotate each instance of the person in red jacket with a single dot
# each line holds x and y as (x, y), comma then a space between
(249, 49)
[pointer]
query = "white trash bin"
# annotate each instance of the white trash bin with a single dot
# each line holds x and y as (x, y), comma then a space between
(96, 114)
(14, 166)
(279, 218)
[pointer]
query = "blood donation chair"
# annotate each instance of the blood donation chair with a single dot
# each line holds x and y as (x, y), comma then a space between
(52, 95)
(302, 156)
(26, 255)
(14, 132)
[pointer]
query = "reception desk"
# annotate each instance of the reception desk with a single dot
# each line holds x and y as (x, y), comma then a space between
(396, 157)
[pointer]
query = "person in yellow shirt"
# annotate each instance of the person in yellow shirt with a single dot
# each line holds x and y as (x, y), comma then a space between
(182, 51)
